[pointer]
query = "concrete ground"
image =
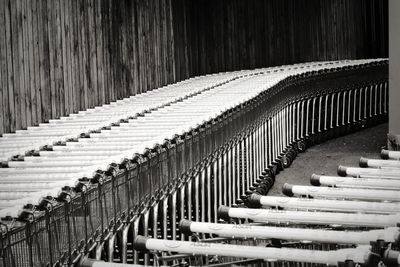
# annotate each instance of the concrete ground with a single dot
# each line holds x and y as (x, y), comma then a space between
(324, 158)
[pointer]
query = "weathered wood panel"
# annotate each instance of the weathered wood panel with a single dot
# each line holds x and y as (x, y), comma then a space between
(61, 56)
(3, 68)
(236, 34)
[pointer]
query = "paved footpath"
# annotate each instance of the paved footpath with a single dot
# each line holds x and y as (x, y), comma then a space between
(324, 158)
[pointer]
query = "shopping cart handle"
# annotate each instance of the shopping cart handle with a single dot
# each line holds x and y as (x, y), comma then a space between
(314, 180)
(374, 259)
(223, 213)
(184, 227)
(287, 190)
(253, 201)
(363, 162)
(391, 258)
(342, 171)
(384, 154)
(140, 243)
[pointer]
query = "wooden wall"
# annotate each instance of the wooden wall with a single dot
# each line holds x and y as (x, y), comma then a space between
(61, 56)
(237, 34)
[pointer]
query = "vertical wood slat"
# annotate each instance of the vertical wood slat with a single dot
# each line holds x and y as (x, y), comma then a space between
(22, 67)
(69, 54)
(74, 57)
(171, 36)
(62, 56)
(9, 113)
(60, 95)
(164, 49)
(16, 45)
(99, 54)
(26, 65)
(3, 66)
(83, 54)
(34, 63)
(51, 53)
(94, 92)
(44, 61)
(106, 56)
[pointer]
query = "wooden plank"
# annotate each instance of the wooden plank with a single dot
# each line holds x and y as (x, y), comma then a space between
(56, 56)
(186, 66)
(64, 59)
(34, 60)
(164, 42)
(109, 30)
(85, 56)
(26, 89)
(31, 92)
(146, 46)
(223, 28)
(123, 60)
(251, 34)
(104, 35)
(21, 99)
(85, 65)
(69, 54)
(115, 49)
(128, 49)
(230, 32)
(323, 33)
(118, 71)
(177, 39)
(92, 72)
(59, 79)
(44, 67)
(156, 34)
(154, 49)
(79, 67)
(170, 42)
(351, 27)
(3, 69)
(104, 39)
(156, 46)
(238, 36)
(219, 32)
(190, 36)
(52, 56)
(140, 42)
(40, 59)
(76, 64)
(72, 55)
(10, 113)
(129, 42)
(171, 52)
(150, 45)
(99, 52)
(135, 48)
(84, 98)
(15, 43)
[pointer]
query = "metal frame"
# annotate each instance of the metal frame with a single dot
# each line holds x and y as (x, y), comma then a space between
(207, 156)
